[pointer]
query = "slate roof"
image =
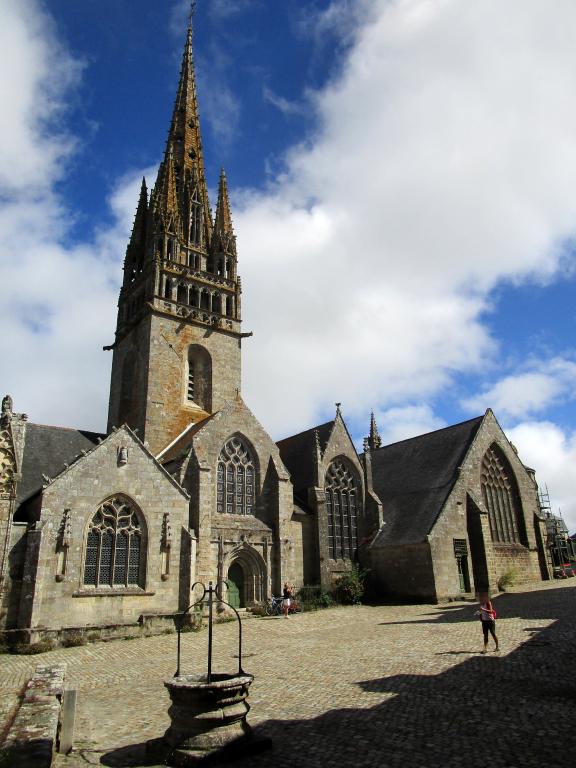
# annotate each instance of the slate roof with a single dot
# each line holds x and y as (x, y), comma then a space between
(46, 449)
(413, 478)
(297, 453)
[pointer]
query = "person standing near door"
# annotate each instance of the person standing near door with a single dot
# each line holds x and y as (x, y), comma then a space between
(286, 599)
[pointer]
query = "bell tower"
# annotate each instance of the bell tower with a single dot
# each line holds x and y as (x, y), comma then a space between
(176, 354)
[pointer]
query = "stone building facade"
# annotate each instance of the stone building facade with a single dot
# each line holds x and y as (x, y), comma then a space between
(460, 511)
(107, 533)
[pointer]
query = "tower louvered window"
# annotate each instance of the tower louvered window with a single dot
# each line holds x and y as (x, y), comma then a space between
(236, 475)
(342, 497)
(190, 387)
(501, 498)
(114, 546)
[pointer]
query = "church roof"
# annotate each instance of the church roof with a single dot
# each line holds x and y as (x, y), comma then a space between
(297, 453)
(414, 477)
(46, 450)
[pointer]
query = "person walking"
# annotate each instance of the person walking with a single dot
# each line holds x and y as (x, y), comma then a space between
(286, 599)
(488, 619)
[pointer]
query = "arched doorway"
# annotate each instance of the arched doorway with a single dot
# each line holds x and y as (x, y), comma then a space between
(236, 586)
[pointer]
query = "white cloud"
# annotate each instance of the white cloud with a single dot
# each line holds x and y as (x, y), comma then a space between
(443, 162)
(57, 302)
(36, 74)
(545, 383)
(407, 421)
(283, 104)
(552, 451)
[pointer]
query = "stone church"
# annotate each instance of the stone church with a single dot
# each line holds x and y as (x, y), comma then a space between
(107, 533)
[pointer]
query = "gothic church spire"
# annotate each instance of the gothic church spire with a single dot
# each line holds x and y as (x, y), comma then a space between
(373, 441)
(181, 177)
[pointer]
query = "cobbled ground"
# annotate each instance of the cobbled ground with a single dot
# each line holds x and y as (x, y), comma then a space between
(368, 687)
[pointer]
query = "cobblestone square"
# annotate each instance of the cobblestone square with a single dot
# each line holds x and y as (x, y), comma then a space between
(360, 686)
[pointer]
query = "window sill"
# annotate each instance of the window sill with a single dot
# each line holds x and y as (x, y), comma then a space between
(110, 592)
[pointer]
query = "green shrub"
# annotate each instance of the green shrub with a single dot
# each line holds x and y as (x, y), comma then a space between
(350, 586)
(25, 649)
(312, 597)
(224, 618)
(8, 756)
(507, 579)
(73, 640)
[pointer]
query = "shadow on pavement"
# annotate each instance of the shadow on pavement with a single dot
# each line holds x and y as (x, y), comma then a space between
(511, 711)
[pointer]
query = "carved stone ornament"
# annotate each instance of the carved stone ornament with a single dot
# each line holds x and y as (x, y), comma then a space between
(122, 455)
(166, 531)
(7, 405)
(65, 532)
(7, 462)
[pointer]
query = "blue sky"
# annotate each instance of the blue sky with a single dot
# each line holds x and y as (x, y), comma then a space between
(402, 178)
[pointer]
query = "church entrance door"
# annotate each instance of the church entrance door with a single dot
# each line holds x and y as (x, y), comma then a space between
(235, 583)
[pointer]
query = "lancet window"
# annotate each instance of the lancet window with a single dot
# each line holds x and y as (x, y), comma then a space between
(235, 479)
(196, 220)
(500, 495)
(114, 546)
(342, 498)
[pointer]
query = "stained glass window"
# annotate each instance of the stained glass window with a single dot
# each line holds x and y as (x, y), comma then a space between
(341, 505)
(501, 497)
(113, 546)
(235, 479)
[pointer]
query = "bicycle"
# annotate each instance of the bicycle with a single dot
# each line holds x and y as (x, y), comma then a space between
(274, 606)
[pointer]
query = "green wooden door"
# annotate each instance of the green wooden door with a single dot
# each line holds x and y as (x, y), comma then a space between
(235, 584)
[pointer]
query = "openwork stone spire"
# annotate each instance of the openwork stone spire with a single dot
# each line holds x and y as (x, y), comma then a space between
(181, 181)
(177, 261)
(136, 250)
(373, 441)
(223, 227)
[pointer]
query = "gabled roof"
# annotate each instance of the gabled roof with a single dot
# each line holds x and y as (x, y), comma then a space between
(413, 478)
(297, 453)
(179, 446)
(46, 451)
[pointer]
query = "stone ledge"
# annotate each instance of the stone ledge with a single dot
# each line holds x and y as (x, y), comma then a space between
(112, 593)
(31, 740)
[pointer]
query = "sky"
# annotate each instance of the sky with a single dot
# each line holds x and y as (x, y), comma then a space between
(403, 184)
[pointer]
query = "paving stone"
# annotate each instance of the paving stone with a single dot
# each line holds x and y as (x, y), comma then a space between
(361, 686)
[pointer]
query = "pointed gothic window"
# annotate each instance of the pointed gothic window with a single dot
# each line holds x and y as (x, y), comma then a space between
(114, 551)
(501, 498)
(235, 490)
(342, 496)
(195, 219)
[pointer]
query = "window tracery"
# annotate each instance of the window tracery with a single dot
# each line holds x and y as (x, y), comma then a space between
(114, 547)
(501, 497)
(236, 474)
(341, 505)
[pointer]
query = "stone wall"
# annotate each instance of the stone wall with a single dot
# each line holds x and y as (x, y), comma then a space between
(31, 740)
(339, 446)
(304, 554)
(151, 363)
(404, 571)
(521, 558)
(259, 543)
(13, 576)
(53, 592)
